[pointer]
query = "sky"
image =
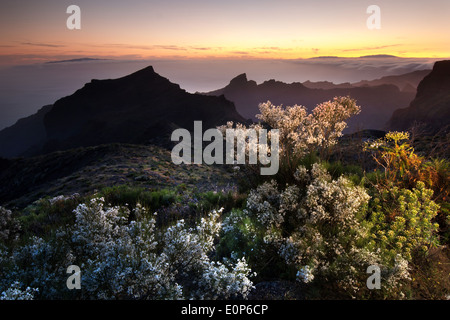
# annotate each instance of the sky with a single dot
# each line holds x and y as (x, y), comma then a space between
(36, 31)
(202, 44)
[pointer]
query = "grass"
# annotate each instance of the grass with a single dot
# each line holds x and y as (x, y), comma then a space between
(125, 195)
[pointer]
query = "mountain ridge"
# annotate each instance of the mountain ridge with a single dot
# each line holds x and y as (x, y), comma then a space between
(377, 102)
(141, 107)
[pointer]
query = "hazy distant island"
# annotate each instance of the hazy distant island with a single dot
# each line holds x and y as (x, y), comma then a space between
(77, 60)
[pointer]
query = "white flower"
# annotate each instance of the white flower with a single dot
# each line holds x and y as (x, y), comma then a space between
(305, 274)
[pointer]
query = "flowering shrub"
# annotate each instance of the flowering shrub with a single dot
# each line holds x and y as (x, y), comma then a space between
(302, 133)
(319, 226)
(119, 258)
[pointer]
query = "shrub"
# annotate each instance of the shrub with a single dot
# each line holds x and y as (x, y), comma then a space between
(122, 259)
(241, 237)
(300, 132)
(318, 227)
(130, 196)
(303, 134)
(16, 293)
(9, 227)
(210, 200)
(403, 168)
(47, 214)
(403, 221)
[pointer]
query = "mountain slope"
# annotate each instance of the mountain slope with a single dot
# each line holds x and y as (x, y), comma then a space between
(88, 170)
(431, 106)
(139, 108)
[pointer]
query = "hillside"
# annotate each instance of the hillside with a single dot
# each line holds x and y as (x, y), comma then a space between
(86, 170)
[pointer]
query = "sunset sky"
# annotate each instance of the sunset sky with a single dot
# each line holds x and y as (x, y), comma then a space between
(35, 31)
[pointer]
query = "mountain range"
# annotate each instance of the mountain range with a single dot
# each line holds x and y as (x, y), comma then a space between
(378, 99)
(144, 108)
(407, 82)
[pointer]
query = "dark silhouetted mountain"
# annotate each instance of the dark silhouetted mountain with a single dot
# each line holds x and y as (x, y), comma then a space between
(407, 82)
(377, 102)
(139, 108)
(431, 105)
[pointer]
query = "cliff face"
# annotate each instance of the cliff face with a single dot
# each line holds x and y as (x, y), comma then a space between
(138, 108)
(431, 106)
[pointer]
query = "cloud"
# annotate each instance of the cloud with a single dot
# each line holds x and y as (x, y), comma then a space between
(38, 44)
(170, 47)
(123, 45)
(203, 48)
(143, 47)
(273, 49)
(371, 48)
(240, 52)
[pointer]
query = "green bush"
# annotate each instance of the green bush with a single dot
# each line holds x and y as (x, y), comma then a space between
(210, 200)
(403, 221)
(47, 214)
(126, 195)
(242, 237)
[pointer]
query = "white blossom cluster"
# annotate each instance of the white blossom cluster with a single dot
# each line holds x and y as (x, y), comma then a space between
(122, 259)
(305, 274)
(16, 293)
(62, 198)
(318, 226)
(253, 140)
(300, 132)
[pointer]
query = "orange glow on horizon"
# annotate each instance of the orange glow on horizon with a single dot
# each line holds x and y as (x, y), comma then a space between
(39, 52)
